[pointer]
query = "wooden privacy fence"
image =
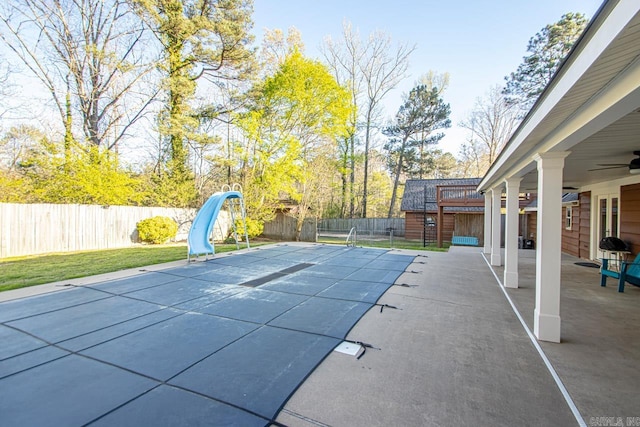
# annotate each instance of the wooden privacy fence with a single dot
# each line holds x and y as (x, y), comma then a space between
(283, 227)
(469, 225)
(29, 229)
(363, 225)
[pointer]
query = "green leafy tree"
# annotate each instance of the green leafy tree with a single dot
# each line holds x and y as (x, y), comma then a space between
(379, 191)
(547, 49)
(421, 159)
(422, 113)
(201, 40)
(13, 188)
(445, 165)
(296, 117)
(84, 175)
(165, 189)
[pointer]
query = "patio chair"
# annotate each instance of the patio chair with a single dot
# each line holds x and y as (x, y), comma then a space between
(629, 272)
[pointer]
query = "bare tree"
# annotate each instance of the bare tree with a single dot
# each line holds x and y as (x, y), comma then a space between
(15, 145)
(473, 160)
(372, 68)
(91, 58)
(492, 122)
(276, 45)
(383, 68)
(5, 86)
(344, 59)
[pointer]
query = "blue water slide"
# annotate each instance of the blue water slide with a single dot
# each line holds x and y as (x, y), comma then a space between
(205, 219)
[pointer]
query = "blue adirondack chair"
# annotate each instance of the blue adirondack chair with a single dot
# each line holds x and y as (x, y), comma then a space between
(629, 272)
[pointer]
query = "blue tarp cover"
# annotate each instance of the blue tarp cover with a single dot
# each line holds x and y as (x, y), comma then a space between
(188, 345)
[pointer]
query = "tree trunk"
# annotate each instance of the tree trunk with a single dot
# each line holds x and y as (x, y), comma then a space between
(299, 224)
(352, 178)
(397, 178)
(343, 202)
(366, 165)
(344, 179)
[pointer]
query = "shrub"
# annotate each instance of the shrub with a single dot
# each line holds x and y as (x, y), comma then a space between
(254, 228)
(157, 229)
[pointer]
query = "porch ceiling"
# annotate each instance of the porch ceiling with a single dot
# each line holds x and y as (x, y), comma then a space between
(612, 145)
(591, 108)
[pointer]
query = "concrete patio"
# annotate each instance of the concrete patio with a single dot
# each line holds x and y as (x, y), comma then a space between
(454, 352)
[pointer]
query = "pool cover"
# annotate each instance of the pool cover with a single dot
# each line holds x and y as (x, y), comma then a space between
(221, 342)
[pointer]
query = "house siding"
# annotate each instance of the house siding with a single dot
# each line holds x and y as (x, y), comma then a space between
(630, 216)
(571, 238)
(414, 225)
(584, 220)
(576, 241)
(532, 226)
(447, 227)
(421, 195)
(463, 224)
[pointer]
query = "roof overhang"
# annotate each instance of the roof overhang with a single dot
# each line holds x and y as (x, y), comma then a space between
(591, 108)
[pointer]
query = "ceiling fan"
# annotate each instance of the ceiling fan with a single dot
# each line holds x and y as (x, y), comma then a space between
(633, 165)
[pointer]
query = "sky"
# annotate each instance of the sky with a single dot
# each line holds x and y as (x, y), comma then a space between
(478, 42)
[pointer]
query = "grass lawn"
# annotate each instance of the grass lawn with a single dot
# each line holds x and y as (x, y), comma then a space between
(35, 270)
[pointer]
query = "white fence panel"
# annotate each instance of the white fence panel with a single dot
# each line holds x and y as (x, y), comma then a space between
(29, 229)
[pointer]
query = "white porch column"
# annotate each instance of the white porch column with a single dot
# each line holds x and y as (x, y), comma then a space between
(511, 234)
(546, 322)
(496, 195)
(487, 222)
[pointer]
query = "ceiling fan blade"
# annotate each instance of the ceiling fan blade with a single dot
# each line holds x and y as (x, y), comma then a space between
(608, 167)
(619, 165)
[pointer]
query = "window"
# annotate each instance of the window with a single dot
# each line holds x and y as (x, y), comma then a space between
(567, 218)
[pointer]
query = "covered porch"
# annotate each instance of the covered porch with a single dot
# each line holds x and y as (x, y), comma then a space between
(579, 137)
(598, 358)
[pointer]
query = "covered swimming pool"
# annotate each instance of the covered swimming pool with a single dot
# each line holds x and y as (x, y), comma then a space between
(220, 342)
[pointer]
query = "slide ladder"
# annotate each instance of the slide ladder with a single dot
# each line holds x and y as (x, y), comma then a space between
(199, 240)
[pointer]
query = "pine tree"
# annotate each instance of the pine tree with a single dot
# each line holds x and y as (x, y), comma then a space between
(201, 39)
(547, 49)
(422, 113)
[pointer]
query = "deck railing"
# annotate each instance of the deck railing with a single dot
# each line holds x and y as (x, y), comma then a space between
(459, 195)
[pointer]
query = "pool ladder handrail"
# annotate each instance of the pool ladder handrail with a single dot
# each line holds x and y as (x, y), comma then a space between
(352, 233)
